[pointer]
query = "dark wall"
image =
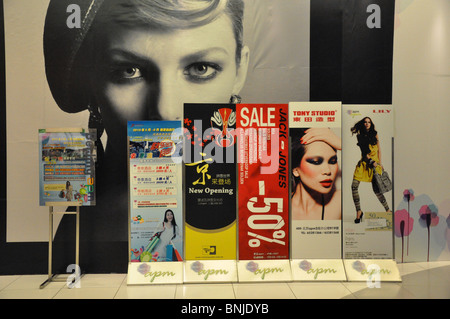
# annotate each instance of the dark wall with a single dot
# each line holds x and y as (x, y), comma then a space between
(350, 62)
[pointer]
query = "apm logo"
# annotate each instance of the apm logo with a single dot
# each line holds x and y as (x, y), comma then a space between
(199, 268)
(262, 272)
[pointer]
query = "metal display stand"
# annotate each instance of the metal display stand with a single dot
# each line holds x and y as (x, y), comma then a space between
(63, 277)
(58, 277)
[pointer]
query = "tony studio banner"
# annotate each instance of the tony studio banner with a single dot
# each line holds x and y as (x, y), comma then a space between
(315, 175)
(67, 167)
(367, 180)
(262, 132)
(210, 181)
(155, 191)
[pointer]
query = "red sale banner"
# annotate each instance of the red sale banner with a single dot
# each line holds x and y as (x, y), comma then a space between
(263, 189)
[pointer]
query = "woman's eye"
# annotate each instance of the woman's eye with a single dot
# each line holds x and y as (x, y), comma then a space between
(315, 161)
(333, 160)
(126, 74)
(201, 71)
(130, 73)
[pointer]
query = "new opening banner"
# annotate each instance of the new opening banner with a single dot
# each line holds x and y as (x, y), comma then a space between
(67, 167)
(315, 174)
(262, 132)
(155, 191)
(210, 181)
(367, 181)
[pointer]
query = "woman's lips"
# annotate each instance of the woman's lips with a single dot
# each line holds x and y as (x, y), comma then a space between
(326, 183)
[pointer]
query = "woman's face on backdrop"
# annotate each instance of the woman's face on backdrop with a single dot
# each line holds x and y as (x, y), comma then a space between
(146, 74)
(367, 123)
(318, 167)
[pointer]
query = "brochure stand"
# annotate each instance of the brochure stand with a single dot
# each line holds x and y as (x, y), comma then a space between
(210, 271)
(318, 270)
(66, 179)
(372, 270)
(270, 270)
(155, 273)
(55, 277)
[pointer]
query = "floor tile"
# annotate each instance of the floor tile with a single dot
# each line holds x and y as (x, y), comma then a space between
(263, 291)
(33, 282)
(319, 290)
(428, 291)
(433, 264)
(408, 268)
(87, 293)
(101, 280)
(205, 291)
(7, 280)
(433, 277)
(386, 290)
(146, 292)
(34, 293)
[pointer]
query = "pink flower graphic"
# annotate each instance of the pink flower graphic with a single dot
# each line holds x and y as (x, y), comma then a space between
(305, 265)
(408, 196)
(197, 266)
(428, 218)
(359, 266)
(252, 266)
(143, 268)
(403, 225)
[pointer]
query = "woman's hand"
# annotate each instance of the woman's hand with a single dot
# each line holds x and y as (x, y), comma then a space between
(375, 164)
(322, 134)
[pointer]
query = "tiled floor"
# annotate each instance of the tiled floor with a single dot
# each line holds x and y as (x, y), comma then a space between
(419, 281)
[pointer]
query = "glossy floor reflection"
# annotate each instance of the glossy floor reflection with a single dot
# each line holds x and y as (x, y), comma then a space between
(419, 281)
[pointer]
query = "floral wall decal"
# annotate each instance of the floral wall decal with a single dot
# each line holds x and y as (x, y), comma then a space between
(420, 225)
(408, 196)
(428, 218)
(403, 225)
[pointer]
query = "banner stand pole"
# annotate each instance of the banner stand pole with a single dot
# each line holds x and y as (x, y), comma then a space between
(55, 277)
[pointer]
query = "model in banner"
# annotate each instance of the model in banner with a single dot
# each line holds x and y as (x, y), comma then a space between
(368, 165)
(315, 169)
(367, 217)
(315, 179)
(137, 60)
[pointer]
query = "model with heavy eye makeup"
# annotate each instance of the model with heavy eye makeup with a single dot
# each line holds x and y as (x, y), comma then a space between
(136, 60)
(370, 161)
(315, 170)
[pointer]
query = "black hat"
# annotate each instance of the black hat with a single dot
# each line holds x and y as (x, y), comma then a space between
(65, 67)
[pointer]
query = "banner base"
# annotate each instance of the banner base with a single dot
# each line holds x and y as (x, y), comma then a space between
(264, 270)
(372, 270)
(155, 273)
(318, 270)
(207, 271)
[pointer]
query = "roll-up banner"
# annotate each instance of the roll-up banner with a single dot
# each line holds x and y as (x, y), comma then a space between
(262, 132)
(367, 136)
(315, 174)
(210, 181)
(155, 191)
(67, 166)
